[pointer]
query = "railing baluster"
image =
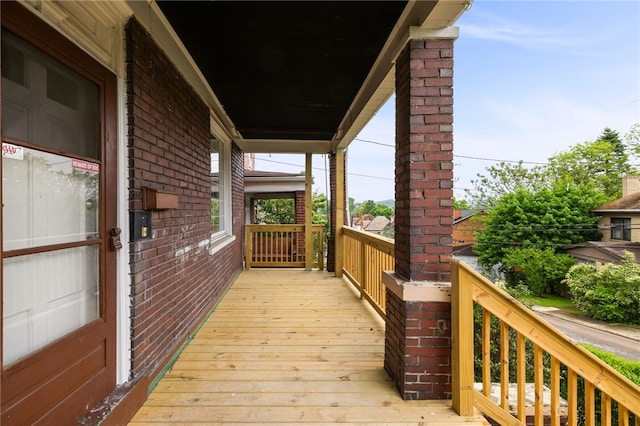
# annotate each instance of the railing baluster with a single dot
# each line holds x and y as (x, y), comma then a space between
(623, 416)
(521, 372)
(538, 383)
(279, 246)
(365, 257)
(486, 353)
(605, 409)
(504, 365)
(572, 397)
(589, 404)
(555, 392)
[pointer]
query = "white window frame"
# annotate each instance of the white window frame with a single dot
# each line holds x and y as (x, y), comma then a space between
(224, 234)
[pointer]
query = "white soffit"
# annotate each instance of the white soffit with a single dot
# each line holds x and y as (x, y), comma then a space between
(380, 84)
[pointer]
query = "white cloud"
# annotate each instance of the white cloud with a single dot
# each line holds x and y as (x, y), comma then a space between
(494, 28)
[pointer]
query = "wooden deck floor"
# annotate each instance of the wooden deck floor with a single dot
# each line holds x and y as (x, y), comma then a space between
(288, 347)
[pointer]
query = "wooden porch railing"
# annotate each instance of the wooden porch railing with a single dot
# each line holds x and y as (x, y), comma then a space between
(365, 257)
(281, 246)
(542, 355)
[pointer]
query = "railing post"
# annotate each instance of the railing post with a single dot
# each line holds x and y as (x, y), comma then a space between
(461, 340)
(321, 247)
(339, 208)
(363, 267)
(308, 230)
(248, 246)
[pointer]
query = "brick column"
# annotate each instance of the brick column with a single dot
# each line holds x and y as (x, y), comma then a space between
(331, 243)
(418, 337)
(299, 207)
(338, 218)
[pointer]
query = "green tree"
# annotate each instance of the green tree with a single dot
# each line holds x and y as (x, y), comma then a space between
(275, 211)
(352, 205)
(603, 163)
(282, 210)
(549, 217)
(366, 207)
(632, 140)
(502, 179)
(319, 210)
(381, 210)
(461, 204)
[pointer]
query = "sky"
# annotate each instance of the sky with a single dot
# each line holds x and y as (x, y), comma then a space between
(531, 79)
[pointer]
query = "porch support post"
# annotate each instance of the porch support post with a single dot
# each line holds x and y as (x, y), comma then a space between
(418, 330)
(339, 206)
(308, 235)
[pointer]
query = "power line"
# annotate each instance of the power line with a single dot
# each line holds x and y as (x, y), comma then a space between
(322, 169)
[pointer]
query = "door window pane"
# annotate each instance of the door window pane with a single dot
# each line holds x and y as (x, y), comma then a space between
(48, 198)
(47, 103)
(46, 296)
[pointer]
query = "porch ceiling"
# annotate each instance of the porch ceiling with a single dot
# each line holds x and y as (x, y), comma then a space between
(299, 76)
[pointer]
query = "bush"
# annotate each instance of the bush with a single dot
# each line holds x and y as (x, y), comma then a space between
(629, 369)
(542, 270)
(607, 292)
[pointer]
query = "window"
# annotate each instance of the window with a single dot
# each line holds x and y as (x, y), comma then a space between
(220, 188)
(621, 228)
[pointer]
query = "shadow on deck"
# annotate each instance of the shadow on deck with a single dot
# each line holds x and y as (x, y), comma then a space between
(288, 347)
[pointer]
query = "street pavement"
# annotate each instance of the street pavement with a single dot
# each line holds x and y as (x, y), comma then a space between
(621, 340)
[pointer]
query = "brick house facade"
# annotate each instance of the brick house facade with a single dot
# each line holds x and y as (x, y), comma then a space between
(157, 251)
(173, 284)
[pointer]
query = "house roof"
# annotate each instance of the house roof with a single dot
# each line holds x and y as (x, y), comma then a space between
(612, 251)
(266, 174)
(625, 204)
(294, 76)
(377, 224)
(273, 184)
(460, 215)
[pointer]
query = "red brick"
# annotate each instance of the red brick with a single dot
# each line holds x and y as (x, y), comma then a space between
(168, 127)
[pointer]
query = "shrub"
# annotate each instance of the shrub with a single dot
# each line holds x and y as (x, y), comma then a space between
(542, 270)
(607, 292)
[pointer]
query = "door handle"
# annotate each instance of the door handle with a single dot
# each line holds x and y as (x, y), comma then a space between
(115, 242)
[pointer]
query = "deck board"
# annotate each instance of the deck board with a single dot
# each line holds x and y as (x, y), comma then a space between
(288, 347)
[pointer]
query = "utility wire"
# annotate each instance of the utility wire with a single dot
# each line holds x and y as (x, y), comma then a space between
(322, 169)
(460, 156)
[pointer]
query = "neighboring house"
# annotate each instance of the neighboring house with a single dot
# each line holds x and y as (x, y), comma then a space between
(619, 225)
(261, 185)
(465, 224)
(602, 252)
(368, 223)
(620, 219)
(116, 115)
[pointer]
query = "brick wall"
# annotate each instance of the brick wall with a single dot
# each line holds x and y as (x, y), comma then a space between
(299, 205)
(175, 280)
(418, 358)
(424, 160)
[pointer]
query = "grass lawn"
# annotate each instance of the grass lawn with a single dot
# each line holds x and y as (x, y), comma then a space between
(551, 301)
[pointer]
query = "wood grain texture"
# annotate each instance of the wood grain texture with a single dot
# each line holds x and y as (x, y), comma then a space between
(288, 347)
